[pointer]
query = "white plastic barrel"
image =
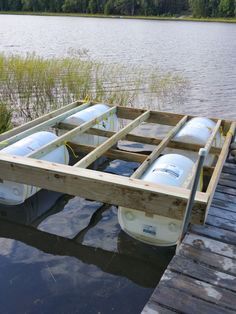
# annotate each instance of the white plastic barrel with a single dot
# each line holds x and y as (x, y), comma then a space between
(170, 169)
(197, 131)
(108, 124)
(12, 193)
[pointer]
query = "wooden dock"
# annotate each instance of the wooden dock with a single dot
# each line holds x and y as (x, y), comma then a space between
(201, 277)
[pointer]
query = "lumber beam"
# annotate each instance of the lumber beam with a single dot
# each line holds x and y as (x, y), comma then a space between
(158, 150)
(69, 135)
(212, 137)
(35, 125)
(143, 139)
(103, 187)
(111, 153)
(123, 155)
(102, 148)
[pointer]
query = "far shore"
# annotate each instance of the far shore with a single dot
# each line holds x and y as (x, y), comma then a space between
(159, 18)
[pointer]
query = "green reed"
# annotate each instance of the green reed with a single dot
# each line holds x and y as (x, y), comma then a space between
(31, 85)
(5, 118)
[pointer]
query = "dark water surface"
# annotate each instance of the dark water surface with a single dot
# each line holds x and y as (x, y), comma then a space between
(75, 259)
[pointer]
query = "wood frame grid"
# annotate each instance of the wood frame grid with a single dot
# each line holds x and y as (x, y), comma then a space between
(168, 201)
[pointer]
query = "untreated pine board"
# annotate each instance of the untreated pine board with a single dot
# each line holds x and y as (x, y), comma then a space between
(222, 223)
(39, 120)
(212, 232)
(221, 297)
(210, 140)
(104, 187)
(211, 245)
(189, 267)
(162, 117)
(144, 139)
(159, 117)
(102, 148)
(210, 259)
(42, 126)
(111, 153)
(158, 150)
(185, 303)
(70, 135)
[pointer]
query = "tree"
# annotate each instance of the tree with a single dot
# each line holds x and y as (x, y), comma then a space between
(227, 8)
(93, 6)
(109, 7)
(200, 8)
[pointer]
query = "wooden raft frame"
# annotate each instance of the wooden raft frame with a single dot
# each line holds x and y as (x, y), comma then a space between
(168, 201)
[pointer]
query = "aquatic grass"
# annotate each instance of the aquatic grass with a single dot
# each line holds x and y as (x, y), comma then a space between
(5, 118)
(31, 85)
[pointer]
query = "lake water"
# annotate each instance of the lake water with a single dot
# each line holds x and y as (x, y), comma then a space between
(203, 53)
(76, 259)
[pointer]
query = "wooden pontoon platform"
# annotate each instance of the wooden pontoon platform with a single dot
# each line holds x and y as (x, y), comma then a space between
(109, 188)
(201, 277)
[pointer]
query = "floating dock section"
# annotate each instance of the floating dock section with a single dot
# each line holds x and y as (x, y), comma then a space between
(109, 188)
(201, 277)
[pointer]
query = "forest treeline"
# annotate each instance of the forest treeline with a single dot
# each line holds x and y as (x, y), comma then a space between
(196, 8)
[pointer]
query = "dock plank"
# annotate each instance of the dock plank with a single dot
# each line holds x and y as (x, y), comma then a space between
(213, 260)
(194, 269)
(212, 232)
(211, 245)
(224, 203)
(222, 223)
(222, 213)
(184, 302)
(152, 308)
(200, 289)
(201, 278)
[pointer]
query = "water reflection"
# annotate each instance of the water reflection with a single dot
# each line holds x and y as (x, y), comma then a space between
(77, 260)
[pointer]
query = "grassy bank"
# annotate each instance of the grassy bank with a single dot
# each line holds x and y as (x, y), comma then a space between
(31, 86)
(159, 18)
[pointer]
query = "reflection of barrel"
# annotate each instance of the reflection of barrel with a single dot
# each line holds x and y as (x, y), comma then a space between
(197, 131)
(170, 169)
(107, 124)
(33, 208)
(12, 193)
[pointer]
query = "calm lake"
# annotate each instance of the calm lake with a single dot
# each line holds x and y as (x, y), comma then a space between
(76, 259)
(203, 53)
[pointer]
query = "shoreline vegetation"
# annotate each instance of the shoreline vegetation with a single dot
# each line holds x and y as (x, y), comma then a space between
(31, 86)
(129, 17)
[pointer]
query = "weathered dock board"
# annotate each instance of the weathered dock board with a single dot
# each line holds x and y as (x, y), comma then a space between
(201, 277)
